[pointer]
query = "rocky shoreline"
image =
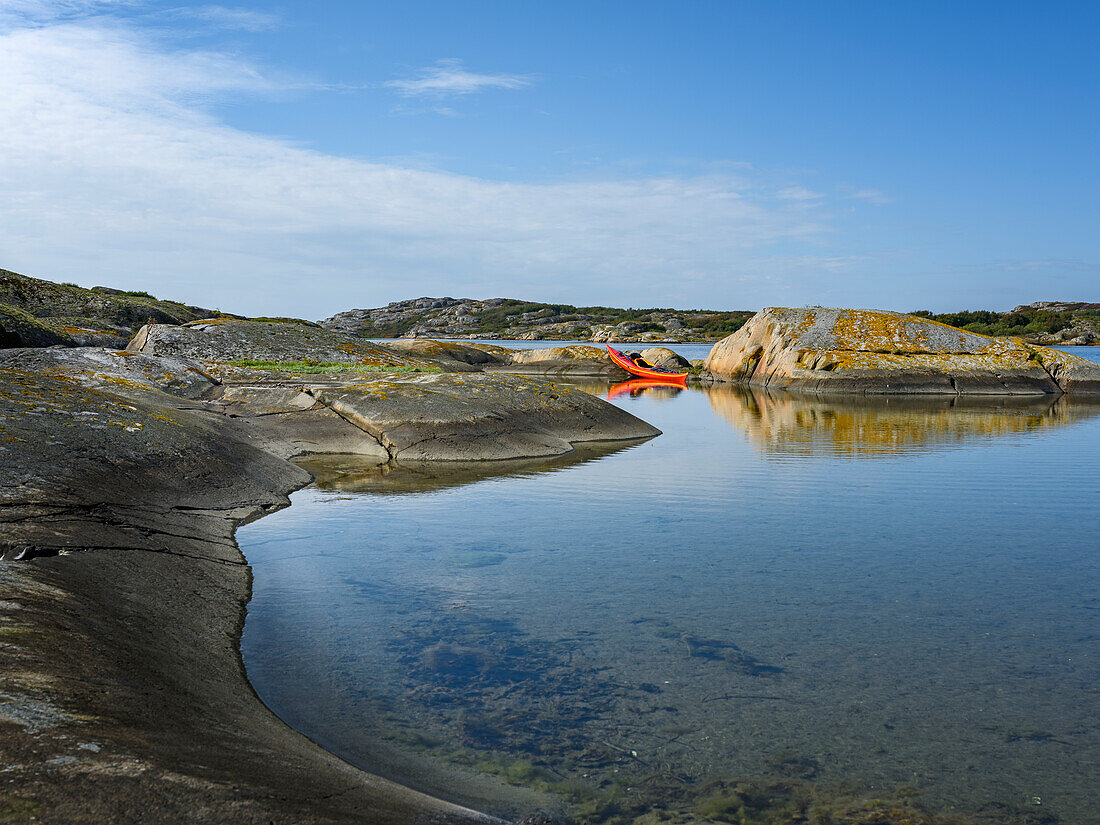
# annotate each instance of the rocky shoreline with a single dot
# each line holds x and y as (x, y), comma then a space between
(125, 474)
(125, 477)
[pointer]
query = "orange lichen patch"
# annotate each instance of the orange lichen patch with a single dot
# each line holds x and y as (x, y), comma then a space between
(856, 360)
(369, 356)
(120, 381)
(803, 326)
(439, 348)
(1048, 355)
(857, 329)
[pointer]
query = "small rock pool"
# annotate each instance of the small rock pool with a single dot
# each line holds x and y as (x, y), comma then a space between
(780, 610)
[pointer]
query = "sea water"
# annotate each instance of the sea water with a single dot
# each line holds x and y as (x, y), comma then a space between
(780, 607)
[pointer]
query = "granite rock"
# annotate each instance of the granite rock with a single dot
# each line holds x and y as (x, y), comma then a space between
(878, 352)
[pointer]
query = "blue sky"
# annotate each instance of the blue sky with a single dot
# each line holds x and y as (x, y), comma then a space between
(302, 159)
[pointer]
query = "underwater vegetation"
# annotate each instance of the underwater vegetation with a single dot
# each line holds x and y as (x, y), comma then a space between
(482, 694)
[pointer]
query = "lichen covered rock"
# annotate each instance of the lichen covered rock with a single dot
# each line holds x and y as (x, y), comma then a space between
(228, 340)
(576, 360)
(450, 351)
(666, 359)
(88, 317)
(21, 329)
(878, 352)
(478, 417)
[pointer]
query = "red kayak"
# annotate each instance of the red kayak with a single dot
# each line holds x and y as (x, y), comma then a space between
(643, 369)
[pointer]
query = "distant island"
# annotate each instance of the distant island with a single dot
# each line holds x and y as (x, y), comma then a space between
(1043, 322)
(36, 312)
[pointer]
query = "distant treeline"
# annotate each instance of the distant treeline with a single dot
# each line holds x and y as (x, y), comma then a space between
(1018, 323)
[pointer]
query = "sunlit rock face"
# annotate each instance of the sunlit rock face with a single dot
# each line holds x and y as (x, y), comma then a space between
(576, 360)
(872, 351)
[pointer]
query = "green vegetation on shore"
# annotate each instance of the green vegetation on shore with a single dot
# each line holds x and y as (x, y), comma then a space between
(324, 367)
(35, 312)
(1017, 323)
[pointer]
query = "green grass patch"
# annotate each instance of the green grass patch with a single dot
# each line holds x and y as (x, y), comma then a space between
(264, 319)
(324, 367)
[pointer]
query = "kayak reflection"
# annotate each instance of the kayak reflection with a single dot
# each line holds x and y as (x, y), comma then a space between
(667, 387)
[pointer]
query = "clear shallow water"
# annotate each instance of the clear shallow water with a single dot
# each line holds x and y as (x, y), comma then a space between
(811, 601)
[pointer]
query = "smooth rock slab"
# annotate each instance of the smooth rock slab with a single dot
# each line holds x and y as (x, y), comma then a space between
(478, 417)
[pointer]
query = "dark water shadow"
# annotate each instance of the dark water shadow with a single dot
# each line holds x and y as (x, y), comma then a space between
(364, 474)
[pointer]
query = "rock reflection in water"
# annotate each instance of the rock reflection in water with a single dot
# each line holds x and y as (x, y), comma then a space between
(861, 427)
(730, 623)
(365, 474)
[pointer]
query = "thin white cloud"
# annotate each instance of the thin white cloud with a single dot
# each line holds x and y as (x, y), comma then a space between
(15, 12)
(225, 17)
(870, 196)
(798, 193)
(449, 77)
(116, 174)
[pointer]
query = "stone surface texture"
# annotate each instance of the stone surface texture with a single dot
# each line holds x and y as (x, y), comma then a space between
(577, 360)
(221, 339)
(466, 318)
(665, 358)
(871, 351)
(478, 417)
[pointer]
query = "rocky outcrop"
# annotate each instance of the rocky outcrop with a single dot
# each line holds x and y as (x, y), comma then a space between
(121, 685)
(417, 317)
(229, 340)
(1080, 333)
(21, 329)
(232, 341)
(531, 321)
(1059, 306)
(76, 316)
(477, 417)
(444, 351)
(868, 351)
(577, 361)
(666, 359)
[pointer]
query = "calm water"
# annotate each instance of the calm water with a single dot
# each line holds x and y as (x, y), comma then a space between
(780, 607)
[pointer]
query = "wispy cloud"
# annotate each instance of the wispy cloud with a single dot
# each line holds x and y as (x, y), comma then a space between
(870, 196)
(798, 193)
(449, 77)
(225, 17)
(118, 174)
(14, 12)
